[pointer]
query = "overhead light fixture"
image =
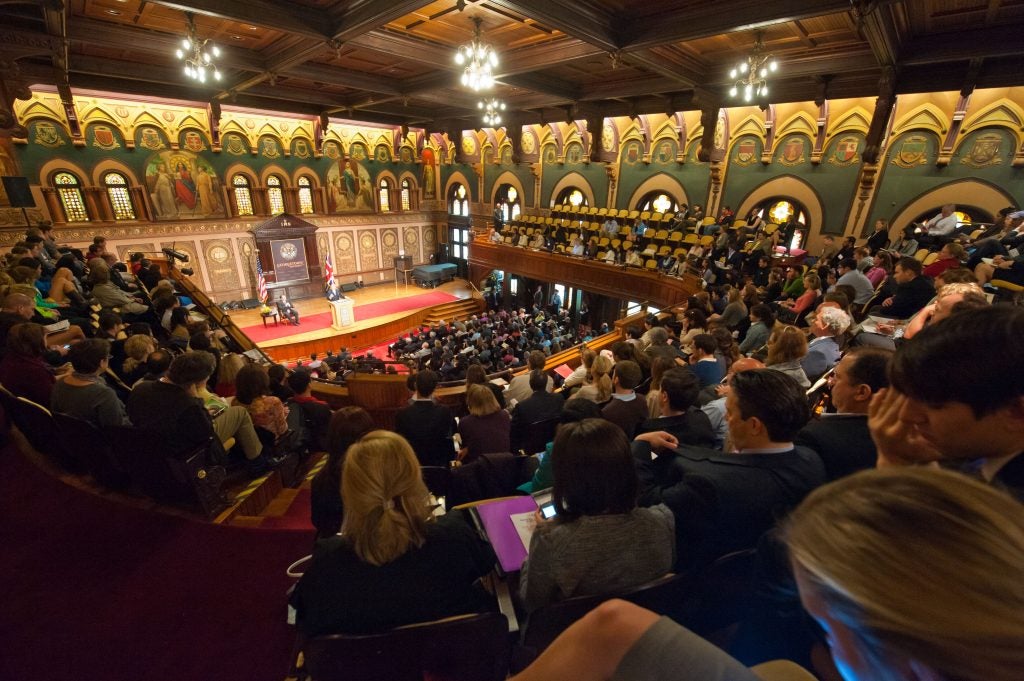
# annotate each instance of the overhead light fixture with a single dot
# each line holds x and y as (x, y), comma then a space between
(492, 109)
(751, 75)
(198, 55)
(479, 60)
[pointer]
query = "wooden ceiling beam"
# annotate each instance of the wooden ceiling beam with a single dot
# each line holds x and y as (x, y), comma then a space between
(712, 18)
(367, 15)
(575, 18)
(879, 29)
(985, 43)
(290, 17)
(544, 84)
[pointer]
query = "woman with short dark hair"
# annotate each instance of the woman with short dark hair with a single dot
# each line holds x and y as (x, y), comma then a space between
(83, 393)
(599, 542)
(347, 425)
(252, 391)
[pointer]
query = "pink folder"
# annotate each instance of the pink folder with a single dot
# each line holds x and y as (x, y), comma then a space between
(497, 523)
(563, 370)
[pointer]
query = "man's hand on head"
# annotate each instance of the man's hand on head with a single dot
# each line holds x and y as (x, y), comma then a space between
(898, 441)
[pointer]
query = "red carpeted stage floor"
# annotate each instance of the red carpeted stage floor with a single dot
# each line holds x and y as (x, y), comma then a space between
(258, 333)
(96, 590)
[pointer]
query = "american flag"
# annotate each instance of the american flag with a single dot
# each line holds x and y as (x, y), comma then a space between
(261, 282)
(328, 270)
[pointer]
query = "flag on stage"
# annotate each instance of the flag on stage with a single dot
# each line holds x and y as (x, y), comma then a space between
(328, 271)
(261, 282)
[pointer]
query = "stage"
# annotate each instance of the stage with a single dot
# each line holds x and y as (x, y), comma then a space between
(391, 308)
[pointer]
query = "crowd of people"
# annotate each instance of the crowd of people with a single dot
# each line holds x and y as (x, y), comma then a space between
(866, 440)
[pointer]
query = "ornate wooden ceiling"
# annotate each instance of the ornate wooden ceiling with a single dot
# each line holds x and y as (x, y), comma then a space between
(391, 60)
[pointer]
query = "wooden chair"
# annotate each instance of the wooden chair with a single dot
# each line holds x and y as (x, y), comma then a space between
(469, 648)
(37, 425)
(545, 624)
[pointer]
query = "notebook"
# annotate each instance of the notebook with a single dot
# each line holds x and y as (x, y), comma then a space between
(495, 519)
(563, 370)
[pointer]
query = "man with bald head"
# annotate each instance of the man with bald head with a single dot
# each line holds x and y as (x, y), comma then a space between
(19, 308)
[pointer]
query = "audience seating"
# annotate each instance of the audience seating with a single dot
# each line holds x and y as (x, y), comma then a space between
(93, 449)
(469, 648)
(160, 472)
(538, 435)
(545, 624)
(37, 425)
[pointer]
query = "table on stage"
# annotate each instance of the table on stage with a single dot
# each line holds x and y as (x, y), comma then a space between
(432, 275)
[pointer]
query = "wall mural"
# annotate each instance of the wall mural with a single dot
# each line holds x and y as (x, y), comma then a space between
(429, 174)
(182, 185)
(349, 187)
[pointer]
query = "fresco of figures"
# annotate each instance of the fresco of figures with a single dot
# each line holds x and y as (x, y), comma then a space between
(183, 185)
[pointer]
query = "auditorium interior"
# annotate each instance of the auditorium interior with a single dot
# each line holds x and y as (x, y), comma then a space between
(442, 165)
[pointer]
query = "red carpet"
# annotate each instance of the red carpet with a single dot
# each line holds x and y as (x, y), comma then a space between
(296, 517)
(95, 590)
(322, 320)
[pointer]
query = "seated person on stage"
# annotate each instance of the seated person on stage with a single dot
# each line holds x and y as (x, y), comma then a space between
(724, 502)
(172, 407)
(287, 310)
(957, 396)
(842, 439)
(83, 392)
(427, 426)
(879, 624)
(394, 564)
(679, 414)
(599, 542)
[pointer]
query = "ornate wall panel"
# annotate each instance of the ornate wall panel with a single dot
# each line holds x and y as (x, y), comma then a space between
(411, 243)
(344, 253)
(389, 245)
(220, 259)
(368, 250)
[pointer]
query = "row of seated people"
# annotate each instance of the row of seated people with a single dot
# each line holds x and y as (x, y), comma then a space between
(632, 505)
(497, 340)
(685, 218)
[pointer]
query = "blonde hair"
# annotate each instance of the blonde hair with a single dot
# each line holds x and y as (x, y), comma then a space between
(137, 348)
(919, 564)
(480, 401)
(384, 497)
(229, 367)
(600, 377)
(959, 288)
(785, 344)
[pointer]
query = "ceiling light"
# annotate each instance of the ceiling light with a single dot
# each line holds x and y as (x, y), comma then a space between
(492, 111)
(479, 60)
(198, 55)
(751, 75)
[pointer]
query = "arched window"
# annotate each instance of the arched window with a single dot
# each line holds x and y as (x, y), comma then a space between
(572, 196)
(120, 198)
(658, 202)
(406, 194)
(780, 210)
(305, 195)
(69, 189)
(384, 195)
(243, 194)
(274, 195)
(507, 199)
(458, 200)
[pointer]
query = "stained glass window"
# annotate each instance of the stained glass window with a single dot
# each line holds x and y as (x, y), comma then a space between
(459, 203)
(305, 195)
(69, 188)
(658, 202)
(243, 196)
(384, 195)
(508, 199)
(120, 198)
(406, 195)
(274, 195)
(571, 196)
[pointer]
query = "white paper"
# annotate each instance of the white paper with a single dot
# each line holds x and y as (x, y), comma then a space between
(525, 524)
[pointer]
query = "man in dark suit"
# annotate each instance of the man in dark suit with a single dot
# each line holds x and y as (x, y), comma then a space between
(679, 413)
(725, 502)
(287, 310)
(843, 440)
(539, 406)
(913, 292)
(427, 426)
(626, 409)
(315, 413)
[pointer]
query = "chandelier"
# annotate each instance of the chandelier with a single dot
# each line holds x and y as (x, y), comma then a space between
(491, 109)
(751, 75)
(479, 59)
(198, 54)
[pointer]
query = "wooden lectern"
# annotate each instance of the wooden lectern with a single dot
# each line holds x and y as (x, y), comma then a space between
(342, 313)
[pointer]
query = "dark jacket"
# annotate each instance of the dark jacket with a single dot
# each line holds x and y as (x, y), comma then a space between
(842, 441)
(428, 427)
(909, 298)
(540, 406)
(692, 427)
(167, 409)
(626, 414)
(724, 502)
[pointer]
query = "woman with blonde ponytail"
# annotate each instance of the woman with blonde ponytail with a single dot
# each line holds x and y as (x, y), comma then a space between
(393, 564)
